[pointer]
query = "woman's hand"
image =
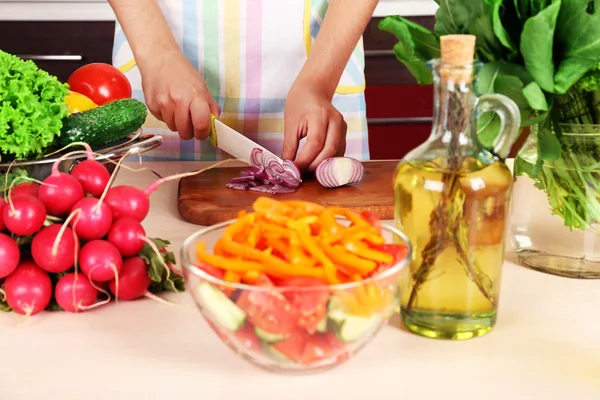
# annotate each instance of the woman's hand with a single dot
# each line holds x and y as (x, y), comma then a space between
(177, 95)
(309, 113)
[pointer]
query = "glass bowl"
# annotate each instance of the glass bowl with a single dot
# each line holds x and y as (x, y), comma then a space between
(343, 319)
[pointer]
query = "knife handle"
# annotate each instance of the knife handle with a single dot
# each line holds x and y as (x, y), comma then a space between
(213, 131)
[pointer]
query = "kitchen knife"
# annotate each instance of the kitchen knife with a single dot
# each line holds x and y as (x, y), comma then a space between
(234, 143)
(239, 146)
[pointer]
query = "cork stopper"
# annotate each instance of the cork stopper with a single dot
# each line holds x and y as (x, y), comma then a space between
(457, 55)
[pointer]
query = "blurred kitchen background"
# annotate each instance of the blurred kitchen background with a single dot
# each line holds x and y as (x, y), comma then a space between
(61, 36)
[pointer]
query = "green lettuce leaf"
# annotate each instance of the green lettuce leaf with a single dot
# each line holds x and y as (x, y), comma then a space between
(31, 107)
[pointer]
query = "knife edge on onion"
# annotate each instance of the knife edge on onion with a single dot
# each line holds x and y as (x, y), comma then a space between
(267, 175)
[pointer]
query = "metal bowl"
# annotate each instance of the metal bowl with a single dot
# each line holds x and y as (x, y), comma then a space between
(136, 143)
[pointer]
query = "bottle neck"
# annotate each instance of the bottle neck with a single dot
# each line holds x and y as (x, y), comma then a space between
(454, 123)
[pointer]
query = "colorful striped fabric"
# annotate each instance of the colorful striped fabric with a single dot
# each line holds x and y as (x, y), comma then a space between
(249, 52)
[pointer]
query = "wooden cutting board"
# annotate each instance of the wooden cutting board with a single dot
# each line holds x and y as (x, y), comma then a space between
(204, 200)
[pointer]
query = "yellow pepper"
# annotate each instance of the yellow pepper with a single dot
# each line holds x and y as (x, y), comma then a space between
(78, 103)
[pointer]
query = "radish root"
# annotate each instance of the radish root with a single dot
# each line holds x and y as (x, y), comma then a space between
(102, 157)
(61, 232)
(101, 303)
(6, 175)
(153, 186)
(2, 295)
(109, 184)
(161, 300)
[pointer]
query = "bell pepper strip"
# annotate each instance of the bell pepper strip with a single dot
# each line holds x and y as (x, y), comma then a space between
(370, 237)
(305, 206)
(225, 263)
(312, 248)
(364, 251)
(329, 225)
(253, 235)
(268, 205)
(251, 277)
(339, 255)
(218, 249)
(232, 277)
(354, 218)
(271, 265)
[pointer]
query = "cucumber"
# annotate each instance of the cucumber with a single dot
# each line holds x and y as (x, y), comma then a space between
(322, 326)
(225, 311)
(105, 124)
(348, 327)
(267, 337)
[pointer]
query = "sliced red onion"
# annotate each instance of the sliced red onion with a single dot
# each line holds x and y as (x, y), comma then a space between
(256, 157)
(272, 189)
(237, 186)
(339, 171)
(242, 179)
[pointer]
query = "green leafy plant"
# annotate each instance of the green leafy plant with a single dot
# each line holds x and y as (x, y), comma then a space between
(545, 56)
(32, 108)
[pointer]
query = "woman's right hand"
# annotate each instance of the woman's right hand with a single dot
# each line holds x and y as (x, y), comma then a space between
(176, 94)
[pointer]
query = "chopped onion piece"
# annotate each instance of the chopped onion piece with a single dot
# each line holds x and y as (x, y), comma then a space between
(339, 171)
(237, 186)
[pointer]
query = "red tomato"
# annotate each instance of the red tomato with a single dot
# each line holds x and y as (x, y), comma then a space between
(311, 305)
(397, 251)
(317, 349)
(338, 348)
(248, 338)
(293, 346)
(270, 311)
(101, 83)
(372, 219)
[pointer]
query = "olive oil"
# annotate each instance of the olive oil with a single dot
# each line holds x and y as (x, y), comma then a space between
(451, 289)
(451, 199)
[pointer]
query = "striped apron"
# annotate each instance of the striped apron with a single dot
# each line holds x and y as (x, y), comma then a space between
(249, 52)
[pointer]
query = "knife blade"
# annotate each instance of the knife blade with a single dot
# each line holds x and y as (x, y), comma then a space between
(239, 146)
(234, 143)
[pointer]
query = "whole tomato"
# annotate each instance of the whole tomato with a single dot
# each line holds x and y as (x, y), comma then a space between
(101, 83)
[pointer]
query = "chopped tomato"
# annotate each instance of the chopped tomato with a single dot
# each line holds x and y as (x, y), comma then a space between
(271, 312)
(248, 338)
(293, 346)
(310, 304)
(217, 273)
(397, 251)
(372, 219)
(317, 349)
(338, 348)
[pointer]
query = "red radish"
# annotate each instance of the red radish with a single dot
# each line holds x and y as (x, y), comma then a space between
(2, 204)
(75, 293)
(92, 175)
(127, 235)
(9, 255)
(25, 189)
(133, 280)
(24, 215)
(28, 289)
(59, 193)
(91, 219)
(100, 260)
(54, 251)
(339, 171)
(129, 201)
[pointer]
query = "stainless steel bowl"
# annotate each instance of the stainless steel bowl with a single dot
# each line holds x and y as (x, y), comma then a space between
(136, 143)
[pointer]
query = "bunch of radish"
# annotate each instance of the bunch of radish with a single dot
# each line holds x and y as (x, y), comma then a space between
(75, 242)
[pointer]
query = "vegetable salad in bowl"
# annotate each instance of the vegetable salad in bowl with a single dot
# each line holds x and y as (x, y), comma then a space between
(294, 286)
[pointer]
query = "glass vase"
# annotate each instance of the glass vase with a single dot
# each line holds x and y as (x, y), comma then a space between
(555, 218)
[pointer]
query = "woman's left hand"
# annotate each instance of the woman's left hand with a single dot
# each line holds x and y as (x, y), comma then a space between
(309, 113)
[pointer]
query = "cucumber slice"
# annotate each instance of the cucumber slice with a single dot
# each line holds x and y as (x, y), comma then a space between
(225, 311)
(322, 326)
(348, 327)
(267, 337)
(272, 352)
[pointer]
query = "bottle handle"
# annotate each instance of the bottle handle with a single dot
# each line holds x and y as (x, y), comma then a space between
(510, 121)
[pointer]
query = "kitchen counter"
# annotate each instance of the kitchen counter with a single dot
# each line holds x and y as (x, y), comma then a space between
(546, 345)
(98, 10)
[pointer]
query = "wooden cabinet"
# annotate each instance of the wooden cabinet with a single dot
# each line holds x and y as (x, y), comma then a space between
(59, 47)
(399, 110)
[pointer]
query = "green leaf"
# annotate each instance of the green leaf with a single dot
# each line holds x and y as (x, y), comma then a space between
(577, 40)
(162, 278)
(488, 127)
(499, 29)
(535, 97)
(548, 143)
(416, 46)
(537, 43)
(453, 16)
(512, 87)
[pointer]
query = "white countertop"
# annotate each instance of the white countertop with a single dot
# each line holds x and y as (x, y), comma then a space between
(546, 345)
(98, 10)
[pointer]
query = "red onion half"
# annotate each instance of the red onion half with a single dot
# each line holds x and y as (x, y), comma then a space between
(339, 171)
